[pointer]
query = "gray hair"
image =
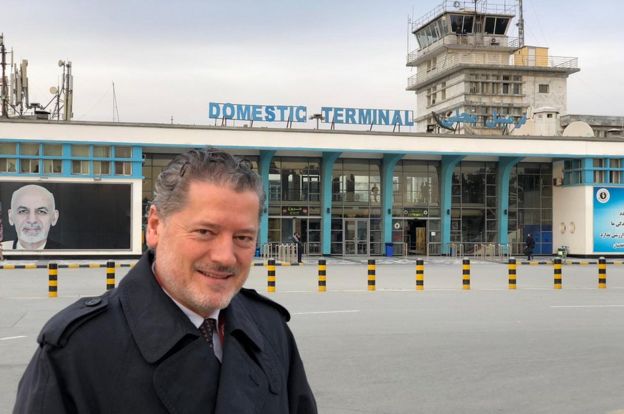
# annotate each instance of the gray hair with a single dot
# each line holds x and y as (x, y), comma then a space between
(30, 189)
(208, 165)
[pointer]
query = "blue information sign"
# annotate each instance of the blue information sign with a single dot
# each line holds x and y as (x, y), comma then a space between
(608, 220)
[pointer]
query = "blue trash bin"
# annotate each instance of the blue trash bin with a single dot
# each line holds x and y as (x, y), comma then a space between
(389, 249)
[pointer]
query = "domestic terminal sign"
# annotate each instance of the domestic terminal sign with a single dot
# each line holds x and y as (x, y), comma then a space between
(299, 113)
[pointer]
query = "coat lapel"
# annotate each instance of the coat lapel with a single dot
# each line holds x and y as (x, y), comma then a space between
(185, 372)
(248, 371)
(187, 377)
(188, 380)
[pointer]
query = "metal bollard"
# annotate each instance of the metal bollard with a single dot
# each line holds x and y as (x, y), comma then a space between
(557, 272)
(322, 275)
(466, 273)
(110, 275)
(602, 273)
(511, 266)
(371, 274)
(271, 276)
(52, 280)
(420, 274)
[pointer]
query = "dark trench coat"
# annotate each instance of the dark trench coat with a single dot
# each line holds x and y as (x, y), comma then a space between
(133, 350)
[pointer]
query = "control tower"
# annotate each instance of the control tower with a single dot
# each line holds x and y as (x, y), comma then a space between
(472, 77)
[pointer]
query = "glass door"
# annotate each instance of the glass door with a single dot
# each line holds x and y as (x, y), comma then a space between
(356, 236)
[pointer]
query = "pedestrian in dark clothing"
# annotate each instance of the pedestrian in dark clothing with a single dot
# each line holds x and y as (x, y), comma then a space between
(297, 240)
(179, 334)
(529, 246)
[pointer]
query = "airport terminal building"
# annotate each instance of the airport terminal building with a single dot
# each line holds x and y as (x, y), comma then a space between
(489, 163)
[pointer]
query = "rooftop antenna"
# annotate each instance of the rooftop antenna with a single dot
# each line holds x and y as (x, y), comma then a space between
(520, 25)
(115, 107)
(4, 95)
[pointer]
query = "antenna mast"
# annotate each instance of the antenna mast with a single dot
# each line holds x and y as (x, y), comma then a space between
(115, 107)
(4, 93)
(521, 25)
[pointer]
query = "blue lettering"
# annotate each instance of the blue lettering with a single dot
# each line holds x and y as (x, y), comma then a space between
(325, 113)
(256, 112)
(384, 116)
(338, 114)
(365, 116)
(396, 119)
(408, 119)
(282, 110)
(229, 111)
(301, 114)
(242, 112)
(350, 116)
(270, 113)
(214, 110)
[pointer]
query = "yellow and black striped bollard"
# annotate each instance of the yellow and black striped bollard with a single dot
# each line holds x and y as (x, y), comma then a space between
(557, 272)
(466, 273)
(420, 274)
(110, 275)
(511, 266)
(602, 273)
(271, 276)
(52, 280)
(371, 274)
(322, 275)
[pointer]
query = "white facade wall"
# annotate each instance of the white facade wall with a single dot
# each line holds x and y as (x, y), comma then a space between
(555, 98)
(573, 219)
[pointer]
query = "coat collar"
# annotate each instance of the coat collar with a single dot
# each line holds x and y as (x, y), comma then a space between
(158, 324)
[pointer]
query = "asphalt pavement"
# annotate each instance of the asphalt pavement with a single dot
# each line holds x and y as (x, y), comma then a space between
(398, 350)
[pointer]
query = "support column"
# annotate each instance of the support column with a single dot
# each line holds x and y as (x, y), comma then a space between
(587, 165)
(503, 173)
(327, 169)
(387, 172)
(264, 166)
(449, 162)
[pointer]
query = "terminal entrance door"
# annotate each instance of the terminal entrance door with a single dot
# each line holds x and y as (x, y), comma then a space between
(356, 237)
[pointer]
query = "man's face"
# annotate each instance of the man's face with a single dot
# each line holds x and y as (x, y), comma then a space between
(32, 214)
(205, 250)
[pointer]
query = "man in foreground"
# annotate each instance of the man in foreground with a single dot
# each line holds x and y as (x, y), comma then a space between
(178, 335)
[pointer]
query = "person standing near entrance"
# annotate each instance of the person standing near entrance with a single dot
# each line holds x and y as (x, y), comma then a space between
(529, 246)
(297, 240)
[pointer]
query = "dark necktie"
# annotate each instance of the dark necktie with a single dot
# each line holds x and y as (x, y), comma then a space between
(207, 329)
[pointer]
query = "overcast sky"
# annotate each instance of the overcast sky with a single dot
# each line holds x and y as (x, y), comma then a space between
(171, 58)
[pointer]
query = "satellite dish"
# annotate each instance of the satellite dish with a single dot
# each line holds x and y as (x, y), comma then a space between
(61, 63)
(456, 4)
(578, 129)
(53, 90)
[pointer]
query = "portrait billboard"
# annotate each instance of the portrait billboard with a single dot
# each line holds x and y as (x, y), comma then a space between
(608, 220)
(65, 216)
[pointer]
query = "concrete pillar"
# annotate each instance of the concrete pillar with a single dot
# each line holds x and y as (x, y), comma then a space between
(387, 172)
(327, 169)
(264, 166)
(503, 173)
(448, 164)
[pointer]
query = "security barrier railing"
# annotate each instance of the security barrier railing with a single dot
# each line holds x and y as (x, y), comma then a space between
(281, 252)
(445, 249)
(492, 251)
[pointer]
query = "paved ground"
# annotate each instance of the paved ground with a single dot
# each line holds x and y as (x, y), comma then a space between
(396, 350)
